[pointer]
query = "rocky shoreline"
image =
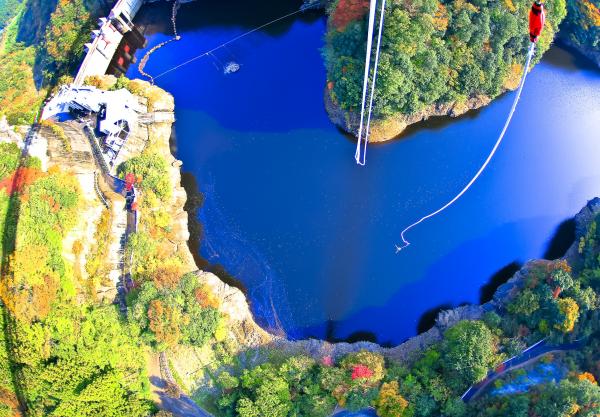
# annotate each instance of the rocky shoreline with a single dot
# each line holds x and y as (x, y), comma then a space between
(249, 336)
(387, 129)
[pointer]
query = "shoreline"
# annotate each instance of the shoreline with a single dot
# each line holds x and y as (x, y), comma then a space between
(245, 331)
(249, 336)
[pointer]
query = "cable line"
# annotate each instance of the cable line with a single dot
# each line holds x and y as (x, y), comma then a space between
(189, 61)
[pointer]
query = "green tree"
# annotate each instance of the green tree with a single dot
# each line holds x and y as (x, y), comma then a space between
(469, 351)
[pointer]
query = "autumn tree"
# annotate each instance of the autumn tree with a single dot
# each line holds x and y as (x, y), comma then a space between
(389, 402)
(31, 286)
(569, 312)
(165, 322)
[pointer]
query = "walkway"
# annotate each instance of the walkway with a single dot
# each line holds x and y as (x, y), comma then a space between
(163, 383)
(529, 355)
(124, 223)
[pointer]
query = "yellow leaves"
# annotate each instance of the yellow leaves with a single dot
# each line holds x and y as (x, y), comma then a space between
(464, 4)
(574, 409)
(440, 18)
(570, 310)
(31, 286)
(221, 331)
(591, 11)
(513, 77)
(389, 402)
(510, 6)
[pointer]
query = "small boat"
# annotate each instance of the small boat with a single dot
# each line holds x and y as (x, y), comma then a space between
(231, 67)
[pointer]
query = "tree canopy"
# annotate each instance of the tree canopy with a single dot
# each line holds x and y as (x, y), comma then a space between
(433, 52)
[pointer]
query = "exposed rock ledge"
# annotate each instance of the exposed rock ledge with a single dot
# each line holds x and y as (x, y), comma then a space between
(386, 129)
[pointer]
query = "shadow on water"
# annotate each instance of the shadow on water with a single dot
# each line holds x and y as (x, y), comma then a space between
(427, 320)
(358, 336)
(486, 293)
(437, 123)
(568, 58)
(233, 13)
(563, 238)
(194, 202)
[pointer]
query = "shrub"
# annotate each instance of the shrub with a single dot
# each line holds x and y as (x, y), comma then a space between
(151, 170)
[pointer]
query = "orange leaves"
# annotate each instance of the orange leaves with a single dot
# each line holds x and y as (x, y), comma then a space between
(591, 11)
(586, 376)
(561, 264)
(205, 297)
(348, 11)
(166, 276)
(556, 292)
(440, 19)
(10, 400)
(164, 323)
(30, 287)
(21, 178)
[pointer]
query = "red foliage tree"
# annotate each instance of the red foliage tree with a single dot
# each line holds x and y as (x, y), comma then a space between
(348, 11)
(361, 371)
(19, 179)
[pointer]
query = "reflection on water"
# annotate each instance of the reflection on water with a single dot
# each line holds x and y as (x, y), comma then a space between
(310, 234)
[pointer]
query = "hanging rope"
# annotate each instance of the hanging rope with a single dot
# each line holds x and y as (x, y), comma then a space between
(225, 44)
(357, 155)
(368, 129)
(406, 243)
(175, 37)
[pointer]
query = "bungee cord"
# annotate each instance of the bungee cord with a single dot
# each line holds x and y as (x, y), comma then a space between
(406, 243)
(189, 61)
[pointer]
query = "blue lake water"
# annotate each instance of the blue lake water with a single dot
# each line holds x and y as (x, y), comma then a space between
(309, 233)
(520, 381)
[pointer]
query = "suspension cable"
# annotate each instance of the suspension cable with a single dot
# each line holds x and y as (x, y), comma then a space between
(357, 154)
(368, 129)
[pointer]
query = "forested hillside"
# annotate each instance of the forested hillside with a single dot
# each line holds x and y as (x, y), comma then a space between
(432, 52)
(43, 42)
(63, 354)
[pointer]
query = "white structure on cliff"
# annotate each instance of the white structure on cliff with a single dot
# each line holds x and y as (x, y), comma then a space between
(106, 39)
(117, 113)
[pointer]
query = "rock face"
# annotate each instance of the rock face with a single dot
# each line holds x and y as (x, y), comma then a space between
(386, 129)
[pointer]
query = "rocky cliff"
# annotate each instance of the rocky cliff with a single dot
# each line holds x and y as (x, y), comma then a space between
(390, 127)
